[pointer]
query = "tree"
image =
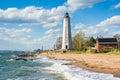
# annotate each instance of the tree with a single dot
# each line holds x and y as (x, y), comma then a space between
(78, 41)
(59, 43)
(118, 39)
(90, 42)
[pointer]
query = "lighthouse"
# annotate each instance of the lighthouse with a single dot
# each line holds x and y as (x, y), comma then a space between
(66, 38)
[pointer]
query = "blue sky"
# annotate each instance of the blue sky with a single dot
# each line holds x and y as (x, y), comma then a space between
(31, 24)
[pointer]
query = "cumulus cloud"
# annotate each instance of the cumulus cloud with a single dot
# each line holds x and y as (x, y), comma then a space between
(108, 27)
(13, 33)
(39, 16)
(79, 26)
(21, 36)
(32, 15)
(52, 31)
(117, 6)
(76, 4)
(113, 21)
(96, 31)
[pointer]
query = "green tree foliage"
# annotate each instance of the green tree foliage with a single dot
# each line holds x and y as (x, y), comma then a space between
(90, 42)
(59, 43)
(78, 41)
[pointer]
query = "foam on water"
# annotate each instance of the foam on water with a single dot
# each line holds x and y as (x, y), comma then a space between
(43, 68)
(13, 56)
(74, 73)
(33, 70)
(10, 60)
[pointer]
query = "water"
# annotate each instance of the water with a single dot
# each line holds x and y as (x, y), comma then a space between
(42, 68)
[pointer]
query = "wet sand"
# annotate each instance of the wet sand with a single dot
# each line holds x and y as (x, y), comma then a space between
(103, 63)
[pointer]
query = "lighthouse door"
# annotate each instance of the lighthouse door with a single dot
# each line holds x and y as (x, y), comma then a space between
(66, 47)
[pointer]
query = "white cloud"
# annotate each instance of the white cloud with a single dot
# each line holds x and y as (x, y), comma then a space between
(13, 33)
(108, 27)
(77, 4)
(52, 31)
(32, 15)
(18, 36)
(43, 17)
(50, 36)
(53, 34)
(113, 21)
(95, 31)
(79, 26)
(117, 5)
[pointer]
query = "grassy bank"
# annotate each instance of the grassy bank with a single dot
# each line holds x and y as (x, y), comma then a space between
(114, 52)
(88, 51)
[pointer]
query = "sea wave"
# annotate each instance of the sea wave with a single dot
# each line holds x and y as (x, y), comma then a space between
(74, 73)
(43, 68)
(10, 60)
(13, 56)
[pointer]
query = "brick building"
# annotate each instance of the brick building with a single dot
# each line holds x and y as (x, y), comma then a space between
(106, 43)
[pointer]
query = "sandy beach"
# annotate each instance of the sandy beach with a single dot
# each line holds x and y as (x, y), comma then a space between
(102, 63)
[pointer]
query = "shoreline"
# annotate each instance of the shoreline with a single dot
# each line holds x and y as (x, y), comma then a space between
(100, 63)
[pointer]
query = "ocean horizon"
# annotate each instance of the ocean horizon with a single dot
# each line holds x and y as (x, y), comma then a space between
(43, 68)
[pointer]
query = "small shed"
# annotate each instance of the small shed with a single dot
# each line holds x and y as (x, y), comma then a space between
(106, 43)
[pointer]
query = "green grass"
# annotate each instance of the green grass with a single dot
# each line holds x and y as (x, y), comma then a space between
(89, 51)
(114, 52)
(74, 52)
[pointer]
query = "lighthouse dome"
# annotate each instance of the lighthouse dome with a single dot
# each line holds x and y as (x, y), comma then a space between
(66, 14)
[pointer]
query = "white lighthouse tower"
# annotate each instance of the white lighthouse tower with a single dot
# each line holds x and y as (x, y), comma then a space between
(66, 38)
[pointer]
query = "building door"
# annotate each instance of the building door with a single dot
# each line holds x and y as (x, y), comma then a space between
(66, 47)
